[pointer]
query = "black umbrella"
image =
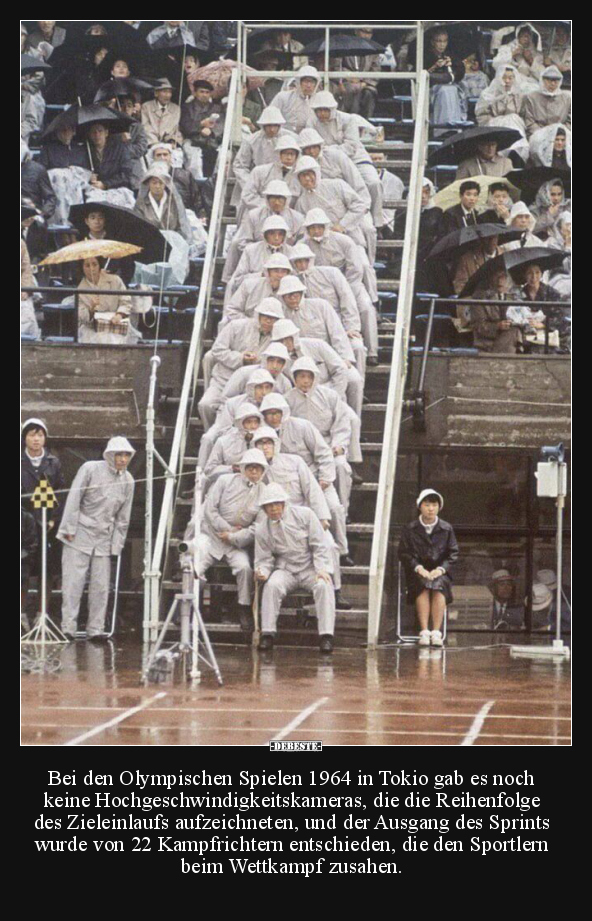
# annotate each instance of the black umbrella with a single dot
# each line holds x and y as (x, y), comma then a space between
(461, 240)
(461, 146)
(125, 226)
(514, 262)
(344, 46)
(81, 117)
(28, 209)
(122, 86)
(30, 64)
(530, 180)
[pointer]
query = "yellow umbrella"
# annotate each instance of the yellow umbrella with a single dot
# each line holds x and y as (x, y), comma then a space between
(450, 196)
(92, 249)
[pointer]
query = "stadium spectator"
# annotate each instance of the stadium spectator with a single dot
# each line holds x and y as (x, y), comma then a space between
(161, 116)
(160, 203)
(109, 159)
(550, 105)
(202, 124)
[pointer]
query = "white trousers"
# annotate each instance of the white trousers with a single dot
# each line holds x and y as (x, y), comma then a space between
(282, 583)
(239, 562)
(75, 569)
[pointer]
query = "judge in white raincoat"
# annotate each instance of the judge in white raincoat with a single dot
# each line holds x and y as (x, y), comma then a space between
(298, 436)
(255, 288)
(228, 527)
(317, 404)
(274, 360)
(228, 450)
(337, 199)
(94, 528)
(258, 149)
(342, 130)
(291, 553)
(291, 473)
(287, 151)
(314, 317)
(275, 232)
(241, 342)
(295, 103)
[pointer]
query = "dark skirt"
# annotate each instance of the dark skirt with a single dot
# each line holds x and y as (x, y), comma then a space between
(416, 585)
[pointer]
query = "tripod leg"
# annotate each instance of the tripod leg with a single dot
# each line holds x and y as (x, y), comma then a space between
(210, 651)
(160, 639)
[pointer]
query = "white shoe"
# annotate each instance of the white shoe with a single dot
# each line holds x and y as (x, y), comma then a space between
(424, 638)
(436, 638)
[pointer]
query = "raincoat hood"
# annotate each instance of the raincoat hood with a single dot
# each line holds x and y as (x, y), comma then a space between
(288, 142)
(276, 350)
(271, 116)
(277, 261)
(253, 457)
(246, 411)
(265, 432)
(542, 145)
(310, 137)
(270, 307)
(152, 153)
(275, 222)
(551, 73)
(302, 251)
(117, 445)
(308, 164)
(279, 189)
(260, 376)
(307, 71)
(324, 100)
(543, 198)
(306, 364)
(520, 208)
(276, 401)
(290, 285)
(536, 35)
(430, 492)
(496, 88)
(284, 329)
(273, 493)
(317, 215)
(157, 171)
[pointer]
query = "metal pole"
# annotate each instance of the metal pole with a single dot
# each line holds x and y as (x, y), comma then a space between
(76, 315)
(195, 673)
(149, 613)
(426, 349)
(43, 563)
(327, 56)
(560, 508)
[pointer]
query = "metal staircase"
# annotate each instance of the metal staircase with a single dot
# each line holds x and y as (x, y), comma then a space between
(369, 520)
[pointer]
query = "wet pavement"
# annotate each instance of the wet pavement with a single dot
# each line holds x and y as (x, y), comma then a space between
(471, 693)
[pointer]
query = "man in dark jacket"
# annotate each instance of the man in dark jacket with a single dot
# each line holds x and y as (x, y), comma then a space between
(465, 213)
(36, 186)
(60, 151)
(202, 123)
(111, 159)
(37, 464)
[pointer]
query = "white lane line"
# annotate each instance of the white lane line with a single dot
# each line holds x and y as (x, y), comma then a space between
(477, 725)
(298, 720)
(116, 720)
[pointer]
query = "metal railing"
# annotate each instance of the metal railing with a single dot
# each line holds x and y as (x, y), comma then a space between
(245, 26)
(398, 376)
(153, 293)
(188, 392)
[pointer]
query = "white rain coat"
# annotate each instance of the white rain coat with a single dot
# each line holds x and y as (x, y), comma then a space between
(317, 319)
(99, 504)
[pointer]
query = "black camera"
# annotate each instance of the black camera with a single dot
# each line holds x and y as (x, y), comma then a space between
(554, 455)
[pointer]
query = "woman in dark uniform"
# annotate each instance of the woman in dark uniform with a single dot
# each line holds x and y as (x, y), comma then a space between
(428, 550)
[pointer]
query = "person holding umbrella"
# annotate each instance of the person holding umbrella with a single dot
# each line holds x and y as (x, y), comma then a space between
(284, 44)
(471, 261)
(359, 97)
(60, 150)
(493, 331)
(108, 158)
(428, 550)
(486, 161)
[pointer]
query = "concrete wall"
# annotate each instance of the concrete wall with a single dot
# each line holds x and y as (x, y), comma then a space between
(494, 401)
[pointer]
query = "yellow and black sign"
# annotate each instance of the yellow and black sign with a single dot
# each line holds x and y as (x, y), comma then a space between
(44, 496)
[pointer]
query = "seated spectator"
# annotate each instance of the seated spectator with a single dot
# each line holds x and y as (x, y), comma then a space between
(428, 550)
(559, 52)
(446, 74)
(160, 203)
(549, 205)
(173, 33)
(551, 147)
(359, 97)
(499, 205)
(267, 62)
(202, 124)
(338, 200)
(161, 116)
(550, 105)
(505, 612)
(500, 106)
(522, 219)
(47, 32)
(486, 162)
(61, 150)
(525, 52)
(29, 325)
(32, 104)
(283, 43)
(465, 214)
(474, 81)
(560, 238)
(134, 138)
(287, 151)
(492, 330)
(533, 289)
(471, 261)
(110, 159)
(36, 185)
(187, 186)
(104, 318)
